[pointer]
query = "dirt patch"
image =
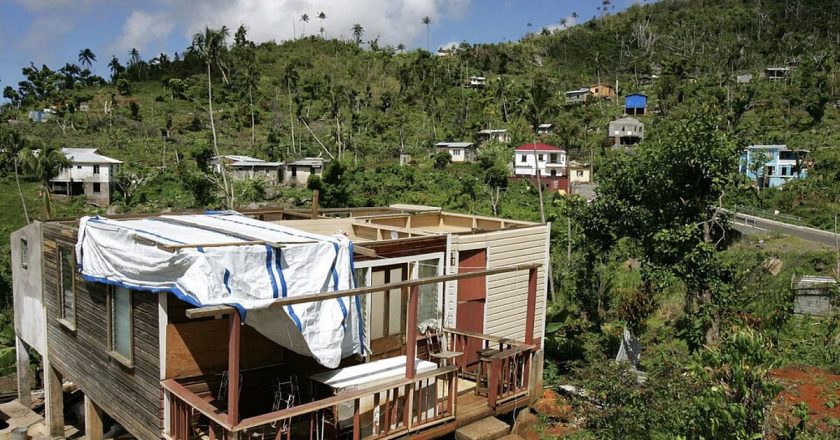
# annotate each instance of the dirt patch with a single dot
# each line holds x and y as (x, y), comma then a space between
(553, 406)
(818, 389)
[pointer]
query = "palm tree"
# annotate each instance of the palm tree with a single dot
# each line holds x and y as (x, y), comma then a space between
(290, 77)
(427, 21)
(13, 143)
(322, 17)
(208, 45)
(358, 32)
(86, 57)
(116, 68)
(45, 164)
(305, 19)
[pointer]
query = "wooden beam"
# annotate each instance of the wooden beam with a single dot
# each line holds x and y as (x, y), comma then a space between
(410, 333)
(315, 202)
(53, 382)
(209, 312)
(361, 250)
(530, 313)
(323, 296)
(94, 428)
(233, 369)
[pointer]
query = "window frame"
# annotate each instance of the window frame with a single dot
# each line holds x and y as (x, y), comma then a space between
(24, 253)
(96, 169)
(112, 352)
(97, 187)
(62, 318)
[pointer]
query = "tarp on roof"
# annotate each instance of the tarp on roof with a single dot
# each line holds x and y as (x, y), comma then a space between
(249, 277)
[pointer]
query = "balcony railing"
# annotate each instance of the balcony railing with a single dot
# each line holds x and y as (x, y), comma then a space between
(391, 409)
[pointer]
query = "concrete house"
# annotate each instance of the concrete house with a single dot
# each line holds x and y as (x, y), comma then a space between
(577, 96)
(635, 104)
(477, 82)
(777, 73)
(605, 91)
(494, 135)
(547, 160)
(439, 319)
(625, 131)
(90, 174)
(458, 151)
(545, 129)
(298, 172)
(745, 78)
(579, 172)
(249, 168)
(779, 164)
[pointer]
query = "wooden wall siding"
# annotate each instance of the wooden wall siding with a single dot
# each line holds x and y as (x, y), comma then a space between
(129, 395)
(507, 293)
(405, 247)
(200, 348)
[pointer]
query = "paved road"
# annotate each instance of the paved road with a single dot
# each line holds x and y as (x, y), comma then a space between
(750, 224)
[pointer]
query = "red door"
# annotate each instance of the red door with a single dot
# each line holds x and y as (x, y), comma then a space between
(472, 294)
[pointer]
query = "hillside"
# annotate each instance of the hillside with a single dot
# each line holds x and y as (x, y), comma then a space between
(636, 256)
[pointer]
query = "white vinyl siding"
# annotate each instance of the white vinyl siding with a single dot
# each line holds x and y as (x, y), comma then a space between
(507, 294)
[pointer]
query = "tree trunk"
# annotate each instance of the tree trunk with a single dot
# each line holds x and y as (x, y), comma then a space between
(291, 115)
(228, 193)
(47, 206)
(251, 103)
(20, 192)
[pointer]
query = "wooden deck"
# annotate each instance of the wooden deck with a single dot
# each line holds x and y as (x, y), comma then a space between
(470, 408)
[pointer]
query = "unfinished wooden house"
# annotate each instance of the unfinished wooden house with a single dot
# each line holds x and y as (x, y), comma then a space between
(361, 323)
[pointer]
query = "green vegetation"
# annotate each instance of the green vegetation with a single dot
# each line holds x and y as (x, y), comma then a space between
(650, 253)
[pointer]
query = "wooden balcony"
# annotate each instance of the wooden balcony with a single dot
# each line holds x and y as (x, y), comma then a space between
(492, 375)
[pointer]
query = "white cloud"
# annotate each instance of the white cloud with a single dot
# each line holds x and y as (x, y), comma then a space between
(393, 21)
(570, 21)
(143, 28)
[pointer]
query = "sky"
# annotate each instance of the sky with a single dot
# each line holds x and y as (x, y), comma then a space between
(52, 32)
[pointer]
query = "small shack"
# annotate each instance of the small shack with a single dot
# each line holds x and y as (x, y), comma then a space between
(635, 104)
(577, 96)
(605, 91)
(478, 82)
(494, 135)
(625, 131)
(814, 295)
(776, 73)
(545, 128)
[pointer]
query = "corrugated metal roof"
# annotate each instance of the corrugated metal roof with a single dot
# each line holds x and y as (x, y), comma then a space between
(539, 147)
(309, 161)
(86, 155)
(454, 144)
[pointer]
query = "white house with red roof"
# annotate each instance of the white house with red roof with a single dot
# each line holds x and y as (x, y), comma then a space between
(548, 159)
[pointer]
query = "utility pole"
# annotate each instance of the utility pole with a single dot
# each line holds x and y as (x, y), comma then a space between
(539, 181)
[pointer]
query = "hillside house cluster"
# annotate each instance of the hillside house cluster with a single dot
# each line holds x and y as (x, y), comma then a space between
(493, 135)
(547, 160)
(371, 323)
(459, 152)
(772, 165)
(90, 174)
(273, 173)
(625, 132)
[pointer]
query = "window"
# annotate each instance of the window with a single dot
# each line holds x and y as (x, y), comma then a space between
(120, 343)
(579, 173)
(24, 253)
(96, 169)
(294, 171)
(552, 158)
(553, 173)
(78, 167)
(67, 288)
(97, 187)
(427, 307)
(541, 157)
(311, 170)
(523, 158)
(785, 171)
(456, 152)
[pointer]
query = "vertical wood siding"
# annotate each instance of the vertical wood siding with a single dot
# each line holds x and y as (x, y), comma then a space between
(129, 395)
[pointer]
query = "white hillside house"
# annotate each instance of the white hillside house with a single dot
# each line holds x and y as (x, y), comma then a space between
(549, 160)
(90, 174)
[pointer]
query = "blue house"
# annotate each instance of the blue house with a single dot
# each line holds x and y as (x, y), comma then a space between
(772, 165)
(635, 104)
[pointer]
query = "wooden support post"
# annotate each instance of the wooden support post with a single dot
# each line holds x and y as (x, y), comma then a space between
(54, 401)
(410, 332)
(94, 430)
(24, 376)
(357, 421)
(315, 203)
(532, 306)
(233, 369)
